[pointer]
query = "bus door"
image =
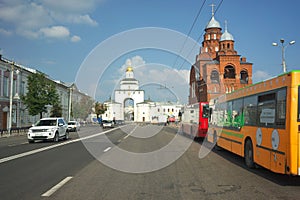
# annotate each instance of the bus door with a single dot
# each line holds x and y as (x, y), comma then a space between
(298, 119)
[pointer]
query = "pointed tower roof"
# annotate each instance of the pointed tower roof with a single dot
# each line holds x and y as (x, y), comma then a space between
(226, 35)
(213, 23)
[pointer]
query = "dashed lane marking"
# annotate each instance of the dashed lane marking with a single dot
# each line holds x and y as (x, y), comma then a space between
(56, 187)
(130, 132)
(107, 149)
(6, 159)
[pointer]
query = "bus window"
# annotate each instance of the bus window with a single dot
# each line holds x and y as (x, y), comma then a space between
(220, 112)
(266, 110)
(228, 115)
(250, 110)
(237, 115)
(281, 108)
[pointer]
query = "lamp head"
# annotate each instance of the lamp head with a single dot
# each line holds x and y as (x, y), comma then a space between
(282, 40)
(274, 44)
(292, 42)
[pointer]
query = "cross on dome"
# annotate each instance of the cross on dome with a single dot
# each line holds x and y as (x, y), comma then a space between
(212, 9)
(226, 35)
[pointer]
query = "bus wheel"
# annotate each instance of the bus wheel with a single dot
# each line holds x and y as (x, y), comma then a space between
(249, 154)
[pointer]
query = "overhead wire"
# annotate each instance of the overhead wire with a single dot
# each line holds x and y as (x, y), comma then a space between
(198, 39)
(194, 22)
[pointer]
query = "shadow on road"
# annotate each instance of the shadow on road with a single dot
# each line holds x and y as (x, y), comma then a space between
(280, 179)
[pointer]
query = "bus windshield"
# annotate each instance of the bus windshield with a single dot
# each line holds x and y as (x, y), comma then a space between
(205, 113)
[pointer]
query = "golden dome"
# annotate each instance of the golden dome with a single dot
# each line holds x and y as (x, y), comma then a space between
(129, 69)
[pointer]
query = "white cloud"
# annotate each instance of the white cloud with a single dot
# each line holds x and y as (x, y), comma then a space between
(55, 32)
(260, 75)
(71, 5)
(5, 32)
(75, 38)
(134, 62)
(74, 18)
(28, 33)
(85, 19)
(28, 18)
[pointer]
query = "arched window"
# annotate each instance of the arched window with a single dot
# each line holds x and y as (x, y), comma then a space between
(244, 76)
(229, 72)
(214, 76)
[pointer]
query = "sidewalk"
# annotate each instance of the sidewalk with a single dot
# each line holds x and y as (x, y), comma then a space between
(4, 133)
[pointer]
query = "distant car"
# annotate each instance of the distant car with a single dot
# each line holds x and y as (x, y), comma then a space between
(73, 126)
(171, 119)
(48, 129)
(107, 123)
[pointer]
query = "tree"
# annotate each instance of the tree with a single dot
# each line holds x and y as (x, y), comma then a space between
(56, 111)
(41, 92)
(100, 108)
(81, 109)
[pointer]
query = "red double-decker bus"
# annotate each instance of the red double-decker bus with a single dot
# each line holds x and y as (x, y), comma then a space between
(195, 120)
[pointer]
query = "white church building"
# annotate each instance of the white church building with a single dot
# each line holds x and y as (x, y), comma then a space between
(129, 104)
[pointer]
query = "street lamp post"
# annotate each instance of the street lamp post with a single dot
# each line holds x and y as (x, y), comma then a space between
(283, 47)
(16, 97)
(11, 98)
(70, 103)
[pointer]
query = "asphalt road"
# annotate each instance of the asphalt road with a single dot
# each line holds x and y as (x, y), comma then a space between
(94, 167)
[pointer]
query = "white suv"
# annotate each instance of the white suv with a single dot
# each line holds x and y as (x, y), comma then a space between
(48, 129)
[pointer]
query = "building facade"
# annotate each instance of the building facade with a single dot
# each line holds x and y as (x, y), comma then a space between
(218, 68)
(13, 84)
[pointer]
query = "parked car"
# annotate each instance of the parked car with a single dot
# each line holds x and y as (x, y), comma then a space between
(73, 126)
(48, 129)
(107, 123)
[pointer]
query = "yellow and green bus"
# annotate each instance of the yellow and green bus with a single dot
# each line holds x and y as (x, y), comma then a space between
(261, 123)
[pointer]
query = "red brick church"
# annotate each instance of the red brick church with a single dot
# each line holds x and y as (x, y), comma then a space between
(218, 68)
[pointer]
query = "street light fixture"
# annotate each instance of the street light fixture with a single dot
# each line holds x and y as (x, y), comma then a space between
(283, 47)
(11, 96)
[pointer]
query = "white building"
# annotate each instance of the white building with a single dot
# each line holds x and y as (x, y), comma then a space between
(129, 104)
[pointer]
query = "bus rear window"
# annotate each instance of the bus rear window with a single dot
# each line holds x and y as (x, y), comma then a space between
(205, 113)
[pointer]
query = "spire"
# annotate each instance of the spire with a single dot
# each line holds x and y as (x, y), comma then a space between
(129, 68)
(213, 23)
(226, 35)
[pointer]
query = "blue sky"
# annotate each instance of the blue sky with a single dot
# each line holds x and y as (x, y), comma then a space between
(57, 36)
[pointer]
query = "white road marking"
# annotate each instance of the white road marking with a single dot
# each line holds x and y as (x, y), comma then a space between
(56, 187)
(2, 160)
(107, 149)
(130, 132)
